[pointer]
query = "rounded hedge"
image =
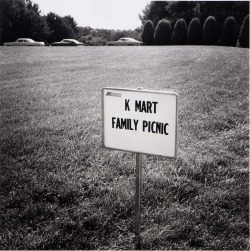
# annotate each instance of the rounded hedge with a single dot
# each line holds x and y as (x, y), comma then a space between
(148, 33)
(194, 35)
(162, 34)
(210, 31)
(244, 33)
(179, 36)
(229, 37)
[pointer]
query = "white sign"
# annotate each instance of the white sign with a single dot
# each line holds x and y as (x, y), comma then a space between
(140, 121)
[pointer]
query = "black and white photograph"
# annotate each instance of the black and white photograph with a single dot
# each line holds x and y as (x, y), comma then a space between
(124, 125)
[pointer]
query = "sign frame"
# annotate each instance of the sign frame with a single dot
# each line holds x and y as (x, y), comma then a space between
(139, 90)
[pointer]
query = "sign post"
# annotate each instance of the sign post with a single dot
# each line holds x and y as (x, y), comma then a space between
(138, 200)
(140, 121)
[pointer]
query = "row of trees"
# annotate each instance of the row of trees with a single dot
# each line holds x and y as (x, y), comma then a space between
(196, 34)
(22, 18)
(186, 11)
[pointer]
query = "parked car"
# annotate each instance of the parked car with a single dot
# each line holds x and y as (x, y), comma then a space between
(127, 41)
(24, 42)
(67, 42)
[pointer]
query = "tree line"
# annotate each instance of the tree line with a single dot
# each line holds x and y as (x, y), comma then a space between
(22, 18)
(208, 23)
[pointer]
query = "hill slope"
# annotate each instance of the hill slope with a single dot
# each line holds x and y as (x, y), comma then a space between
(61, 190)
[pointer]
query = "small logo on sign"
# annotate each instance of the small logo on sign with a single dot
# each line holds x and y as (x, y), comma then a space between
(113, 94)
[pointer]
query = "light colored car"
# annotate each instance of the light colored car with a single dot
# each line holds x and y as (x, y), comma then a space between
(24, 42)
(125, 41)
(67, 42)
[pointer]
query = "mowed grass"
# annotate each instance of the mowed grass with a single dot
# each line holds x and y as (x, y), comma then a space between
(60, 189)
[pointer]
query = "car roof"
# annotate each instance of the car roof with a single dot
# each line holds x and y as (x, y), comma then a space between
(129, 38)
(70, 39)
(24, 38)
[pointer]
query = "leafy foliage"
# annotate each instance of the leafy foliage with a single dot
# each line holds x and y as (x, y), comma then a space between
(179, 36)
(174, 10)
(154, 11)
(194, 35)
(182, 10)
(61, 27)
(148, 33)
(22, 18)
(229, 35)
(162, 34)
(244, 33)
(210, 31)
(90, 36)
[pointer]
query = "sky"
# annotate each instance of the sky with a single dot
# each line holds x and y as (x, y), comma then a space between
(102, 14)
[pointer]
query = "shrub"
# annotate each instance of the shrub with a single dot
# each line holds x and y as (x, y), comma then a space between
(210, 31)
(229, 37)
(244, 33)
(179, 36)
(148, 33)
(162, 34)
(195, 31)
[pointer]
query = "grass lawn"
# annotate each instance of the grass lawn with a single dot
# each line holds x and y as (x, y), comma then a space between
(60, 189)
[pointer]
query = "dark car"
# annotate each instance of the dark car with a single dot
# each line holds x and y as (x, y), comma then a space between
(67, 42)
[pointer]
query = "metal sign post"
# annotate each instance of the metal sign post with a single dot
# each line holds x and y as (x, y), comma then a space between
(138, 200)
